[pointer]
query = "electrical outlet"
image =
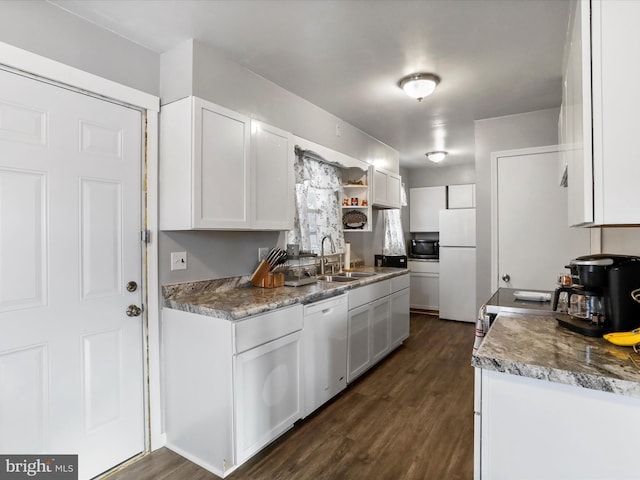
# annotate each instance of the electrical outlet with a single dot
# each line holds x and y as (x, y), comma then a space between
(178, 260)
(262, 253)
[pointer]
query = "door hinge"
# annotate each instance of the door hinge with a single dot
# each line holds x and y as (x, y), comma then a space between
(145, 236)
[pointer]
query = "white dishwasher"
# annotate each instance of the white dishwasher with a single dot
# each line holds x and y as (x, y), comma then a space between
(325, 350)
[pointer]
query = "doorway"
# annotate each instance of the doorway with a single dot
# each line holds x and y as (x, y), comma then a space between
(531, 239)
(71, 353)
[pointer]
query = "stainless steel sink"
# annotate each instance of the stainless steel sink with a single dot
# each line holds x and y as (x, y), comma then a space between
(345, 276)
(336, 278)
(354, 274)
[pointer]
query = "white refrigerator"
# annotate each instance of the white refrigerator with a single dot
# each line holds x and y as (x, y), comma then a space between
(458, 264)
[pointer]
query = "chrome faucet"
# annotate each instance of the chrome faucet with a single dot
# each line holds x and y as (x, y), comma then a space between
(322, 259)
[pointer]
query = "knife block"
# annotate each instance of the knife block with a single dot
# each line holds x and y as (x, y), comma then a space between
(272, 280)
(263, 277)
(261, 273)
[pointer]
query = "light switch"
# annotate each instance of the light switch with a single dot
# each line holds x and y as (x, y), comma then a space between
(178, 260)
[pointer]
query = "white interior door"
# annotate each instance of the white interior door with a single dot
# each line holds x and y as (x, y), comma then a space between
(71, 360)
(534, 242)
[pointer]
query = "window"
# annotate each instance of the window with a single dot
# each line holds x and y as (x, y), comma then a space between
(318, 211)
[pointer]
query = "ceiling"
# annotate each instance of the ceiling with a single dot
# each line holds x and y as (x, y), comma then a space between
(494, 57)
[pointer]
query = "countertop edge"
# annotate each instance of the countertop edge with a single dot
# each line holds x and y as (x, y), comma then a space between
(506, 350)
(297, 295)
(565, 377)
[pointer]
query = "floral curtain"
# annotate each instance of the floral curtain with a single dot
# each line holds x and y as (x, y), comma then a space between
(317, 215)
(393, 243)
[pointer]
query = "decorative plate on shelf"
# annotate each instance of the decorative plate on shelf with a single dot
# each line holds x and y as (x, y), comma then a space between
(354, 219)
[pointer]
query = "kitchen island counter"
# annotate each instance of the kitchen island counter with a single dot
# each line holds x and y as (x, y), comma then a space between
(535, 346)
(550, 403)
(235, 298)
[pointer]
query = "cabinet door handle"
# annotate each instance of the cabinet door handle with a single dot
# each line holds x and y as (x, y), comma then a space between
(327, 310)
(506, 278)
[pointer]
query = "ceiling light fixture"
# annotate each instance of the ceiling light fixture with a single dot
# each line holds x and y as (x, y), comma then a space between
(437, 156)
(419, 85)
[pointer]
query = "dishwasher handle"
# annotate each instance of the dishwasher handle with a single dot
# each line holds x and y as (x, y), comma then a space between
(326, 306)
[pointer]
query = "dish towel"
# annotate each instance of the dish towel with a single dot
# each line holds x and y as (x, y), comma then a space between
(482, 327)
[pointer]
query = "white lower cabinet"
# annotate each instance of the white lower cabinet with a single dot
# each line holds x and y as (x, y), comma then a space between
(425, 285)
(533, 429)
(399, 305)
(267, 393)
(230, 388)
(359, 357)
(380, 325)
(376, 323)
(325, 351)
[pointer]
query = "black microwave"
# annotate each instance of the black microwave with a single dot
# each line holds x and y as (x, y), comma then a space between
(424, 249)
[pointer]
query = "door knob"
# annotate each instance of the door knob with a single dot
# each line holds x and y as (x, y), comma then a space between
(133, 311)
(506, 278)
(132, 286)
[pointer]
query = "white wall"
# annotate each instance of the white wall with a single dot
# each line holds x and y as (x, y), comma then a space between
(434, 176)
(533, 129)
(39, 27)
(621, 240)
(195, 68)
(212, 254)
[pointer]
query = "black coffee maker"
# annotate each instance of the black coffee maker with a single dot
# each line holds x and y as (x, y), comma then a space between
(601, 299)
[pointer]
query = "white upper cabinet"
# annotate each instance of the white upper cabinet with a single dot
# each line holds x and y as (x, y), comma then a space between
(461, 196)
(425, 204)
(386, 189)
(272, 159)
(204, 167)
(218, 170)
(598, 114)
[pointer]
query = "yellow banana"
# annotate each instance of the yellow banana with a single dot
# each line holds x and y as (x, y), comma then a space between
(625, 339)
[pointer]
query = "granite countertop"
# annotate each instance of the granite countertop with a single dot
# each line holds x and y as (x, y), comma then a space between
(235, 298)
(536, 346)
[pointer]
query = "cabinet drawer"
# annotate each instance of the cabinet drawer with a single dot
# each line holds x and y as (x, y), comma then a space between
(261, 329)
(423, 267)
(398, 283)
(368, 293)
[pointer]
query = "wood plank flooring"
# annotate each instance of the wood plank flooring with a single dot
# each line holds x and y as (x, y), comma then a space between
(409, 418)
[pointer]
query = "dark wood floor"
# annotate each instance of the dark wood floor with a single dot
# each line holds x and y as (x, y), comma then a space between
(411, 417)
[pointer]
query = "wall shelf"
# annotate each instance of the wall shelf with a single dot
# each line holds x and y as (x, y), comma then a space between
(356, 186)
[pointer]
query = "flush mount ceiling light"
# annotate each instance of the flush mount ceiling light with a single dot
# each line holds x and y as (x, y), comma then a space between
(437, 156)
(419, 85)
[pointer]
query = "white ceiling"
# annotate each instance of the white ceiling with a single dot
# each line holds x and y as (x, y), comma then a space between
(495, 57)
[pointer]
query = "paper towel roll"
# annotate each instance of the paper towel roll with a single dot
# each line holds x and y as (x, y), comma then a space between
(347, 256)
